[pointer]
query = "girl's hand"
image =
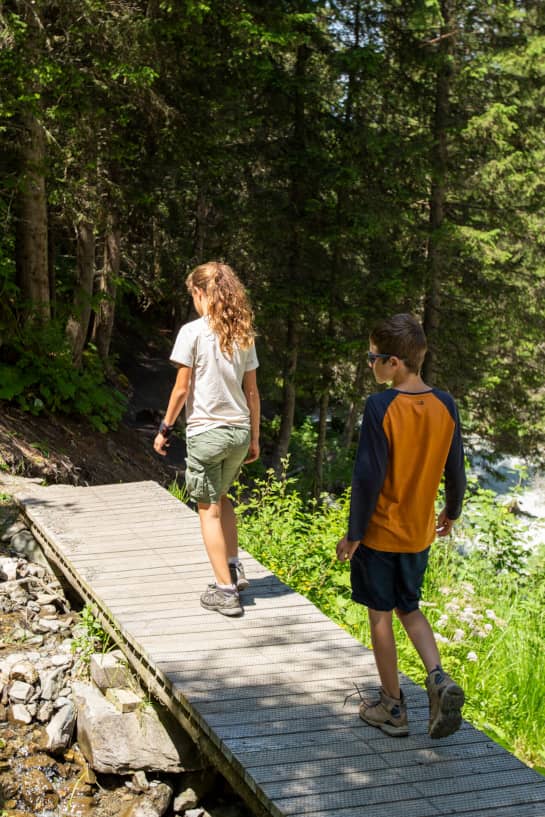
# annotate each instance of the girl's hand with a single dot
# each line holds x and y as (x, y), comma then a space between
(253, 452)
(160, 444)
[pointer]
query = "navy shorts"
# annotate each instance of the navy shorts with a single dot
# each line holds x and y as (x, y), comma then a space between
(386, 581)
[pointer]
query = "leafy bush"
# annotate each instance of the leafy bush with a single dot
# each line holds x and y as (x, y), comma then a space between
(40, 376)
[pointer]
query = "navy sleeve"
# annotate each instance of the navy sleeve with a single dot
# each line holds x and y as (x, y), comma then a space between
(455, 474)
(369, 468)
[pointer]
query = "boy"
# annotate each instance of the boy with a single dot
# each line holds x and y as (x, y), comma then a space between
(410, 437)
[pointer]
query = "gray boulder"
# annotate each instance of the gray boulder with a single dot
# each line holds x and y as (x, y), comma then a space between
(117, 742)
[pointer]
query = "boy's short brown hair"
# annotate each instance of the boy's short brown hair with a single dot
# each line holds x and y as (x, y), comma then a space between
(403, 336)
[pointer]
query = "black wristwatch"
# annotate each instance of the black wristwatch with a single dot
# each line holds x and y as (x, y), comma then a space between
(165, 429)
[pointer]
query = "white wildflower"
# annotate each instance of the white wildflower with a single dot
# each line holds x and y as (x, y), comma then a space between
(487, 627)
(468, 587)
(491, 615)
(445, 591)
(441, 621)
(458, 635)
(440, 638)
(472, 656)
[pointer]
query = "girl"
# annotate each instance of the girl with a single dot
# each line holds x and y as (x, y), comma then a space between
(217, 383)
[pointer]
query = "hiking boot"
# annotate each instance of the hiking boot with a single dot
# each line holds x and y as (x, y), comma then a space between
(388, 714)
(228, 604)
(238, 577)
(446, 700)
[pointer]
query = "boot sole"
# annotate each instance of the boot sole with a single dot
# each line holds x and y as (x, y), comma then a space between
(235, 611)
(388, 728)
(449, 717)
(243, 584)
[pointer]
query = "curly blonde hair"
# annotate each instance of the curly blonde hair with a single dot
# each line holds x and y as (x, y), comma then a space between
(229, 312)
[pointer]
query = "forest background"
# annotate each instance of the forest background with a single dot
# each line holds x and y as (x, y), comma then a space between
(349, 159)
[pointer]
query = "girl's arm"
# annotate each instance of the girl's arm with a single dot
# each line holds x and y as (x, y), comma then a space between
(178, 396)
(251, 392)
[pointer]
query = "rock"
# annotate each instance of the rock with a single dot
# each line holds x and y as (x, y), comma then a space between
(153, 803)
(193, 787)
(64, 661)
(24, 671)
(8, 569)
(51, 682)
(120, 743)
(61, 728)
(12, 530)
(139, 782)
(62, 700)
(44, 712)
(187, 799)
(19, 712)
(20, 692)
(26, 545)
(110, 670)
(48, 625)
(124, 699)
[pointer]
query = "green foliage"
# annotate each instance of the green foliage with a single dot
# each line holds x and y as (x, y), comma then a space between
(43, 378)
(90, 638)
(485, 607)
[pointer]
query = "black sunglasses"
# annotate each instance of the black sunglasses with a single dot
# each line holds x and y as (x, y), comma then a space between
(372, 357)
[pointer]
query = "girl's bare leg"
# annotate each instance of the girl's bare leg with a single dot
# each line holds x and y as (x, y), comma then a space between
(229, 525)
(214, 538)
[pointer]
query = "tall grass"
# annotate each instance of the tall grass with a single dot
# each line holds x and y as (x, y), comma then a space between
(486, 607)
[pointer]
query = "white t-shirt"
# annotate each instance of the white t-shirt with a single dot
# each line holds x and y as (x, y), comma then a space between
(216, 397)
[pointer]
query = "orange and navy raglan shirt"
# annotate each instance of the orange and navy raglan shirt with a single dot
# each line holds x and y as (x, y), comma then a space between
(407, 442)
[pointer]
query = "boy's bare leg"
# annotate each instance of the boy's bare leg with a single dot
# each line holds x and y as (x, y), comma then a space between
(229, 526)
(214, 540)
(421, 634)
(384, 647)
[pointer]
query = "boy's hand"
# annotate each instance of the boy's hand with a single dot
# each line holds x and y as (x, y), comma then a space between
(444, 524)
(346, 549)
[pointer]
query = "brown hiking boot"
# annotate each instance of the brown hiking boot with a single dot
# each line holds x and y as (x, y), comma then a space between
(387, 714)
(446, 700)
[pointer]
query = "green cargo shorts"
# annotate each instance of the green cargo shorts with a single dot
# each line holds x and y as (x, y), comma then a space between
(213, 461)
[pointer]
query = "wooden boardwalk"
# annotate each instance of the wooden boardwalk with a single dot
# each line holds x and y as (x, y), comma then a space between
(264, 694)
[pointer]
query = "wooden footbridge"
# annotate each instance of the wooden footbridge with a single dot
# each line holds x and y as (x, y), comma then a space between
(262, 695)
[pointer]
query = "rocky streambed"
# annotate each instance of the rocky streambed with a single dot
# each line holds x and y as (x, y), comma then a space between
(78, 736)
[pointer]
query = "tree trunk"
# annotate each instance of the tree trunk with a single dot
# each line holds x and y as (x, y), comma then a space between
(31, 255)
(318, 480)
(436, 258)
(108, 288)
(288, 402)
(297, 207)
(78, 323)
(355, 406)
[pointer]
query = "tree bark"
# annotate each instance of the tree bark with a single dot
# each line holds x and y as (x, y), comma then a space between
(288, 396)
(297, 206)
(436, 257)
(31, 254)
(318, 480)
(354, 407)
(78, 322)
(107, 286)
